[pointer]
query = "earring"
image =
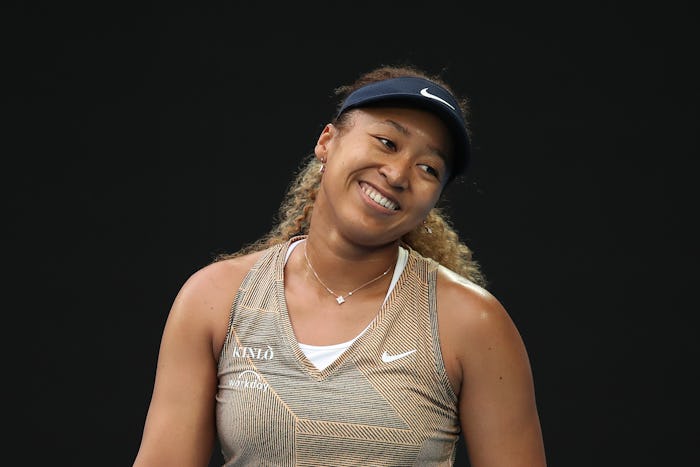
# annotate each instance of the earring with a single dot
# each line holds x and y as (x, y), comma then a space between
(323, 166)
(427, 227)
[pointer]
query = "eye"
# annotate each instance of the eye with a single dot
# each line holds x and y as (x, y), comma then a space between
(431, 170)
(387, 142)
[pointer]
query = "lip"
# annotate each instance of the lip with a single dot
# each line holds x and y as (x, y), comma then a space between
(364, 185)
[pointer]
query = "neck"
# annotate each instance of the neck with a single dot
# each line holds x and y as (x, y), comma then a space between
(343, 269)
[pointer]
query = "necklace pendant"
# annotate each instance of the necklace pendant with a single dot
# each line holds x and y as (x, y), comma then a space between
(340, 300)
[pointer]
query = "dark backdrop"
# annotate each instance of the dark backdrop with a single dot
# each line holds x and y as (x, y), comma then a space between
(144, 140)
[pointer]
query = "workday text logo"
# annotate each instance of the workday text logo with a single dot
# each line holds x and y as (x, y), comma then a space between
(249, 380)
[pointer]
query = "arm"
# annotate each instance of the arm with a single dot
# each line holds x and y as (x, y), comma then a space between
(180, 425)
(497, 404)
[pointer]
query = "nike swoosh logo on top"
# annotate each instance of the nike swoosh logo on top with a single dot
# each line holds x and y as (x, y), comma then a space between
(424, 92)
(386, 358)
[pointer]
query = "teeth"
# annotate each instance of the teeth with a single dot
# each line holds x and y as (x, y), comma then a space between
(379, 199)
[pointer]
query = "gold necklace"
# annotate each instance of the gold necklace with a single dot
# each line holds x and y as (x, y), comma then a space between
(341, 298)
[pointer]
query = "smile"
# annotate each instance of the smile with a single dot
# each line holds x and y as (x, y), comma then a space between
(379, 198)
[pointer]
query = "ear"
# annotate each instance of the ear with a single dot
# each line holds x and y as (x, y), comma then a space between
(322, 144)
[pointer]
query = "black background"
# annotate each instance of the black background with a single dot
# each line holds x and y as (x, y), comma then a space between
(142, 140)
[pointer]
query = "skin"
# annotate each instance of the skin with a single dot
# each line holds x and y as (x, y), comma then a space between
(401, 154)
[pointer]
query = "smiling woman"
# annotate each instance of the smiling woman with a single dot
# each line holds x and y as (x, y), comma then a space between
(349, 331)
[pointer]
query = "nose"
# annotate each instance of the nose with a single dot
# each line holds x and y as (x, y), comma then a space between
(396, 171)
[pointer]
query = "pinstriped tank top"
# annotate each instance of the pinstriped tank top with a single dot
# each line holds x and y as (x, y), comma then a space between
(386, 401)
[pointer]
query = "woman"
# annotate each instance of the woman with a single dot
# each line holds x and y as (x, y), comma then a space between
(358, 331)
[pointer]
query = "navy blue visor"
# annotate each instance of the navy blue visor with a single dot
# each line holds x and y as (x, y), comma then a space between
(420, 93)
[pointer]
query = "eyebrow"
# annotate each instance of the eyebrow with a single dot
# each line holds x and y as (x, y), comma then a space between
(398, 126)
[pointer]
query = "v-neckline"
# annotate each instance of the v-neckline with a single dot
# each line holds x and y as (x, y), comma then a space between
(386, 310)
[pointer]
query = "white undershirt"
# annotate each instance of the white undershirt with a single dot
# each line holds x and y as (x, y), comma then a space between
(323, 355)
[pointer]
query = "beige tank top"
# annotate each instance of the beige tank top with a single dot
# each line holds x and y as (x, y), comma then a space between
(385, 401)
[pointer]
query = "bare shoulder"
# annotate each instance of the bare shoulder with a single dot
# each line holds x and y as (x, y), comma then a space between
(468, 306)
(476, 332)
(216, 278)
(204, 301)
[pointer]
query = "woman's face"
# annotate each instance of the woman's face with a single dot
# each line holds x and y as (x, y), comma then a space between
(384, 172)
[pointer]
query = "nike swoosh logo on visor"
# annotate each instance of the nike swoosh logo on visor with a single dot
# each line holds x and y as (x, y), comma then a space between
(386, 358)
(424, 92)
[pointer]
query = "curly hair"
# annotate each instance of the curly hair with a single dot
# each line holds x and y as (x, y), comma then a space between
(436, 238)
